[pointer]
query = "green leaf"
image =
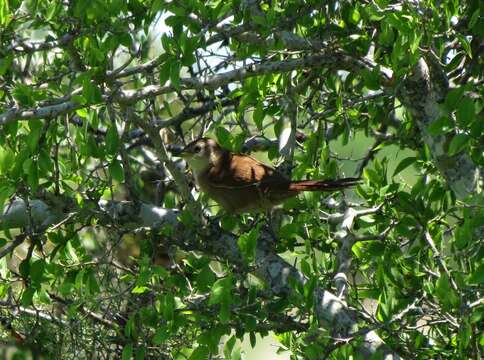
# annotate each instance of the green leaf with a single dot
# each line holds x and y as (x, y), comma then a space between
(116, 171)
(229, 347)
(24, 268)
(354, 16)
(168, 306)
(247, 243)
(205, 278)
(7, 158)
(441, 126)
(258, 116)
(220, 289)
(175, 75)
(24, 95)
(161, 335)
(371, 78)
(477, 277)
(130, 327)
(140, 289)
(415, 41)
(91, 92)
(405, 163)
(386, 36)
(465, 44)
(127, 352)
(188, 58)
(126, 40)
(253, 339)
(27, 296)
(475, 18)
(92, 283)
(223, 137)
(93, 119)
(82, 113)
(211, 338)
(30, 168)
(456, 62)
(165, 71)
(79, 282)
(224, 314)
(52, 10)
(308, 291)
(93, 148)
(465, 112)
(221, 293)
(465, 334)
(45, 162)
(200, 353)
(112, 140)
(236, 354)
(458, 143)
(140, 353)
(453, 97)
(476, 317)
(371, 175)
(228, 222)
(37, 271)
(5, 63)
(166, 42)
(463, 234)
(34, 135)
(374, 248)
(398, 22)
(445, 293)
(305, 267)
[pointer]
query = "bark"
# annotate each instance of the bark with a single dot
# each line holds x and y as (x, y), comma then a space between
(332, 312)
(338, 60)
(422, 93)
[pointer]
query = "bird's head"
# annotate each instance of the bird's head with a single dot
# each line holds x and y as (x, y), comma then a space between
(201, 153)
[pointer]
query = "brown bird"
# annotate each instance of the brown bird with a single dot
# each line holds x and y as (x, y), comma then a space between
(240, 183)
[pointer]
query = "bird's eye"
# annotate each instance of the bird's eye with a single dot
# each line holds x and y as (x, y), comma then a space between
(197, 148)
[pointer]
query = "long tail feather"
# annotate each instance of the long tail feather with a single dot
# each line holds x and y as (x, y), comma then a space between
(323, 185)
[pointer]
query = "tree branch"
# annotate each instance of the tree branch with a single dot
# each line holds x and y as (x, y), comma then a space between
(337, 59)
(269, 266)
(31, 47)
(422, 93)
(192, 112)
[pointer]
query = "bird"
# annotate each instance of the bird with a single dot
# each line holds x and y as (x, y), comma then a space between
(239, 183)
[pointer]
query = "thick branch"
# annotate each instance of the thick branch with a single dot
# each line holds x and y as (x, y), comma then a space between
(336, 59)
(422, 93)
(31, 47)
(192, 112)
(275, 271)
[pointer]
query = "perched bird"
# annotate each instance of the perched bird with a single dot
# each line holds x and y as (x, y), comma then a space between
(240, 183)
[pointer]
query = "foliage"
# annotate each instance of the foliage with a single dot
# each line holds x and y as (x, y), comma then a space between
(88, 89)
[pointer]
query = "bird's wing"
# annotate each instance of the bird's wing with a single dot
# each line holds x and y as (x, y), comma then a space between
(239, 171)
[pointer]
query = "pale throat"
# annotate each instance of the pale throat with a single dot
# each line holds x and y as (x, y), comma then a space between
(200, 164)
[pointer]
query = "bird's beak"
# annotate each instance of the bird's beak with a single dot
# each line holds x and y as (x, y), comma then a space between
(184, 154)
(179, 151)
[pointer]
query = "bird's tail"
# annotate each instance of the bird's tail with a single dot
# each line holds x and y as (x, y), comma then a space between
(323, 185)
